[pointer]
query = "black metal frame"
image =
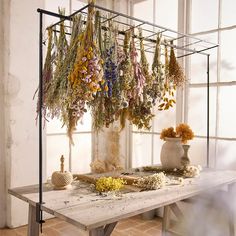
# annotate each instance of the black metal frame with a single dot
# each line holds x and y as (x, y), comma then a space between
(39, 215)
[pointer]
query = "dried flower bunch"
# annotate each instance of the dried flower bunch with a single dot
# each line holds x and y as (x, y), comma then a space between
(107, 184)
(182, 131)
(176, 73)
(90, 70)
(191, 171)
(152, 182)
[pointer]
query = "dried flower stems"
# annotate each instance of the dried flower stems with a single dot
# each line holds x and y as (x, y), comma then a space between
(53, 92)
(87, 74)
(176, 73)
(93, 72)
(140, 113)
(47, 73)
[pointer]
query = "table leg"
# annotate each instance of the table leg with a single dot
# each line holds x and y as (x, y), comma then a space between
(166, 220)
(232, 209)
(103, 231)
(97, 232)
(33, 226)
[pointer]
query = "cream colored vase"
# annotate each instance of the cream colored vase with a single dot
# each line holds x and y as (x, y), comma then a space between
(171, 153)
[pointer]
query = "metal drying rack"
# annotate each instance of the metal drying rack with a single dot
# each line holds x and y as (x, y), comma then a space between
(186, 45)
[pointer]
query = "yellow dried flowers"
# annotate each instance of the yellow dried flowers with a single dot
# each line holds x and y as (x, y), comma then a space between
(185, 132)
(106, 184)
(168, 133)
(182, 130)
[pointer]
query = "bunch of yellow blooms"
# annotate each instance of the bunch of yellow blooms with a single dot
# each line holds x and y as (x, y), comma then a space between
(168, 133)
(106, 184)
(183, 131)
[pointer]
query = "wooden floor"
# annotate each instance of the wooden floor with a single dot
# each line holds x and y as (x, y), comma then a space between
(134, 226)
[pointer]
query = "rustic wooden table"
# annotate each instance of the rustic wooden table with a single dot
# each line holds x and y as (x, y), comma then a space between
(99, 215)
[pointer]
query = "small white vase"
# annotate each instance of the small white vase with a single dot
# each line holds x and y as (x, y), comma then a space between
(171, 153)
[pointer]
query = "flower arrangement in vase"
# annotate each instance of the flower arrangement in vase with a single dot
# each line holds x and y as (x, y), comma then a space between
(174, 152)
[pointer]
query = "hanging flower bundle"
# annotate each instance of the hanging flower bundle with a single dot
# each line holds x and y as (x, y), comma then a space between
(47, 74)
(54, 93)
(140, 109)
(94, 72)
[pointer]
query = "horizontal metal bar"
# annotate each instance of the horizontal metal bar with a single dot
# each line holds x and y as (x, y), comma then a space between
(70, 16)
(199, 52)
(215, 30)
(196, 136)
(160, 32)
(110, 18)
(58, 31)
(146, 22)
(192, 51)
(65, 134)
(186, 45)
(52, 14)
(134, 26)
(154, 41)
(213, 84)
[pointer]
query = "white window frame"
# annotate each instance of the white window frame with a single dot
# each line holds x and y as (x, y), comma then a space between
(218, 84)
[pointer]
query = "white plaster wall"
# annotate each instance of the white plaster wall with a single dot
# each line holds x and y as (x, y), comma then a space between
(19, 154)
(20, 82)
(2, 133)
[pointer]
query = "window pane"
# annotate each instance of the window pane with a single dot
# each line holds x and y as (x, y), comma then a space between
(55, 126)
(81, 153)
(197, 110)
(85, 124)
(164, 9)
(77, 4)
(144, 10)
(57, 145)
(53, 5)
(204, 15)
(157, 149)
(142, 146)
(228, 13)
(199, 63)
(228, 62)
(164, 119)
(226, 154)
(227, 112)
(198, 152)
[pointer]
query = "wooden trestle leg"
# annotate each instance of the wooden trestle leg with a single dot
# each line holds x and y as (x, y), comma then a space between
(33, 226)
(103, 231)
(232, 193)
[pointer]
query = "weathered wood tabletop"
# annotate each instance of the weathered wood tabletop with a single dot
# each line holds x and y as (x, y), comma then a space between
(87, 210)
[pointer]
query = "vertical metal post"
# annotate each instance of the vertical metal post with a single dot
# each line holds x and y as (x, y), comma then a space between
(208, 109)
(39, 213)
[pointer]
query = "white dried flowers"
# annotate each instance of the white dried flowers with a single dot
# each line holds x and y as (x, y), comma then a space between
(192, 171)
(152, 182)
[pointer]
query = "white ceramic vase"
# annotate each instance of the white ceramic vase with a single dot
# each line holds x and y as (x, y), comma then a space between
(171, 153)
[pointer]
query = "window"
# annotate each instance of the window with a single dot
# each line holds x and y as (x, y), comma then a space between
(221, 28)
